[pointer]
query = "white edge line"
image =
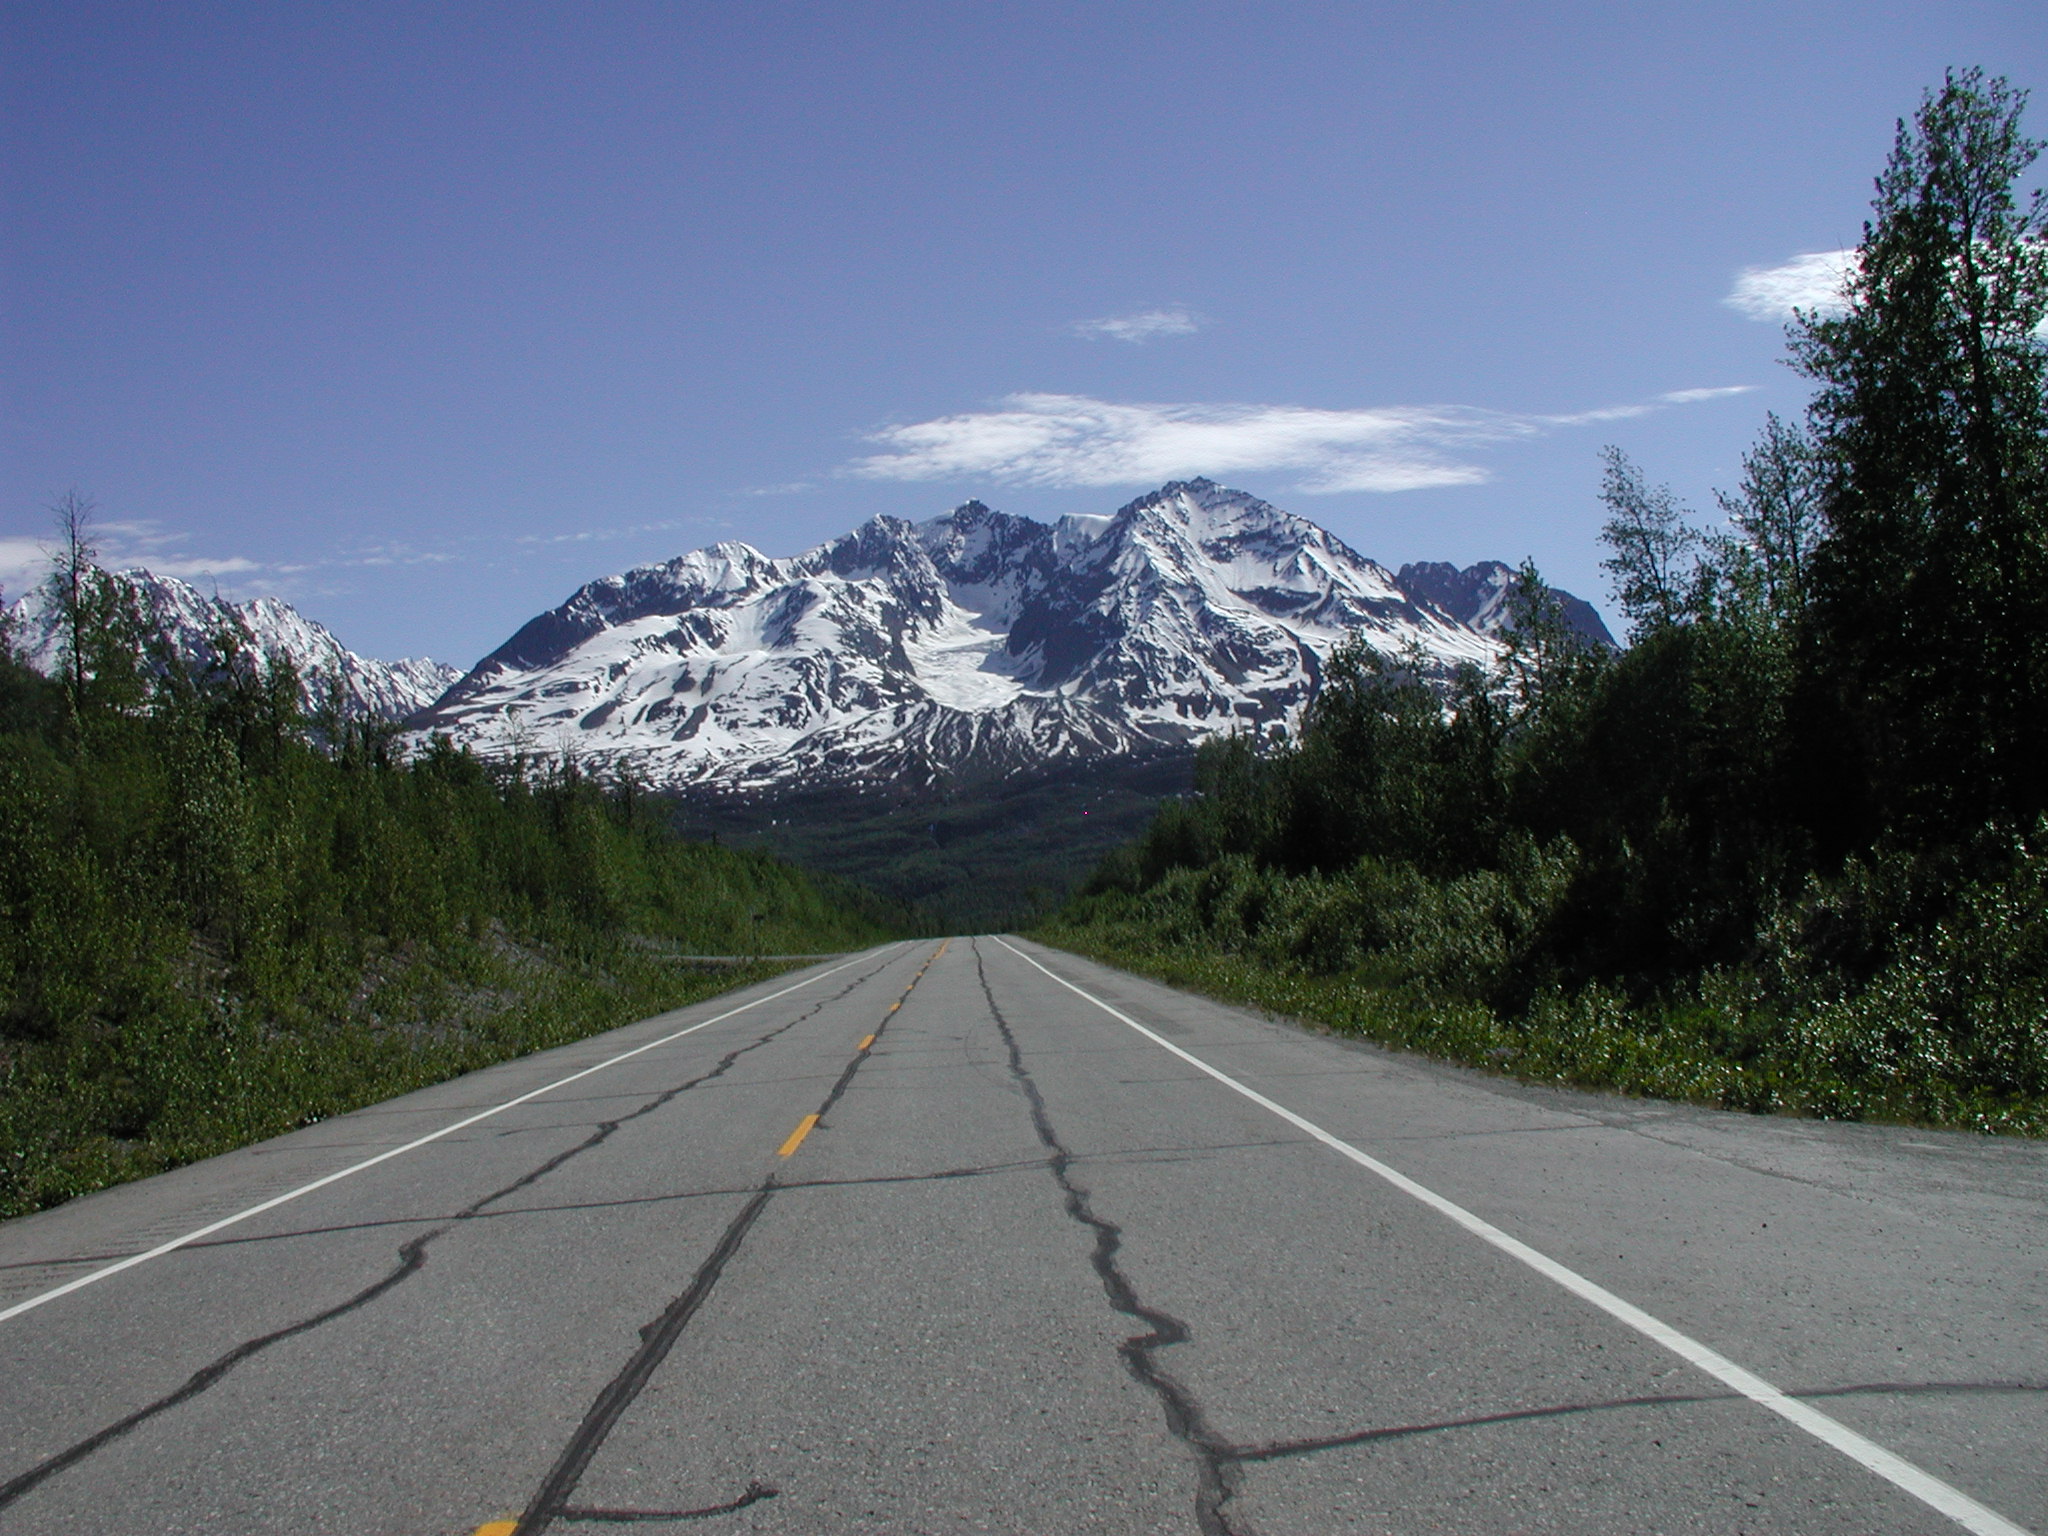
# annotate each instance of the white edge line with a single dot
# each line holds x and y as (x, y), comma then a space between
(414, 1145)
(1924, 1486)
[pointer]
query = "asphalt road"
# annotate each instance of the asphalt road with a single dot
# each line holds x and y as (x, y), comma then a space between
(1061, 1251)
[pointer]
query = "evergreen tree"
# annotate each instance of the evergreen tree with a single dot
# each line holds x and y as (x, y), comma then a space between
(72, 579)
(100, 627)
(1928, 636)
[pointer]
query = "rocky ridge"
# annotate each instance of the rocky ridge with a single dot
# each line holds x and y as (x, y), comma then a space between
(975, 644)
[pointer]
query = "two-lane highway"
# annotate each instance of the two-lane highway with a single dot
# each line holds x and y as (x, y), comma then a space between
(978, 1236)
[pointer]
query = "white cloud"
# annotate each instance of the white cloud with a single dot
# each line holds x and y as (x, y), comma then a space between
(1146, 325)
(23, 563)
(122, 546)
(387, 555)
(1073, 441)
(1694, 396)
(1645, 407)
(194, 568)
(1813, 281)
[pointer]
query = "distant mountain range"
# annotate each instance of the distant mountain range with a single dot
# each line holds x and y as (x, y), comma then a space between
(192, 622)
(977, 644)
(913, 655)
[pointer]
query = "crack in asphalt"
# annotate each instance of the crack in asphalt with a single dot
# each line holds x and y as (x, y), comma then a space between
(550, 1502)
(1130, 1155)
(1280, 1450)
(980, 1171)
(1217, 1459)
(1215, 1468)
(756, 1492)
(412, 1258)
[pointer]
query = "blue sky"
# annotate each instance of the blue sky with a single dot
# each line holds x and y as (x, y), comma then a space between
(422, 315)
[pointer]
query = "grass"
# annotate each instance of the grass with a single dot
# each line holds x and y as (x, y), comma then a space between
(75, 1118)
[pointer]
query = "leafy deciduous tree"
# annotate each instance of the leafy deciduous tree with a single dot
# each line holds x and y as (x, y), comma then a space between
(1651, 544)
(1777, 511)
(1929, 619)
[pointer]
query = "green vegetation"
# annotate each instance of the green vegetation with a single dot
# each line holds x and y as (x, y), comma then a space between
(971, 857)
(222, 917)
(1789, 849)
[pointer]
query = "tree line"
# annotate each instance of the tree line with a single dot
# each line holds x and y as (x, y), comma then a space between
(1790, 840)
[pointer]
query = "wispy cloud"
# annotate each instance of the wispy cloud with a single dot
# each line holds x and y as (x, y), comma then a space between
(605, 535)
(195, 567)
(126, 545)
(398, 554)
(1074, 441)
(1145, 325)
(1815, 282)
(23, 563)
(1642, 407)
(1694, 396)
(1812, 282)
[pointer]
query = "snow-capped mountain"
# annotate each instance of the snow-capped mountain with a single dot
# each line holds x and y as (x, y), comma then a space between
(975, 643)
(190, 622)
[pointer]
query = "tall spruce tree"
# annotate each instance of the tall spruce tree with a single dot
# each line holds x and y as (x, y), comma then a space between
(1927, 630)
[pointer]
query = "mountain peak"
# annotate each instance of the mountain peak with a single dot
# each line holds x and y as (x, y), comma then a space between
(975, 642)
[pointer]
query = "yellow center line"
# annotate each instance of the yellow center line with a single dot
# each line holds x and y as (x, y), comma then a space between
(806, 1125)
(497, 1528)
(796, 1137)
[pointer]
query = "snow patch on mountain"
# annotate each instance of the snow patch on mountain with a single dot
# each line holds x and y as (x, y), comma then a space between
(976, 643)
(191, 624)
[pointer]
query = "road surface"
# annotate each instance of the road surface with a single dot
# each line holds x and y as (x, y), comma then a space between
(983, 1237)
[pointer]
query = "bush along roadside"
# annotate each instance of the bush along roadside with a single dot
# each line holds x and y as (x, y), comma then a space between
(223, 915)
(1919, 1044)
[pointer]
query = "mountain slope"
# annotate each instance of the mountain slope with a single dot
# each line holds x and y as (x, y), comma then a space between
(1478, 596)
(975, 644)
(189, 622)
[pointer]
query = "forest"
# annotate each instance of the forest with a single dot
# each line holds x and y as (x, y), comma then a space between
(1785, 850)
(227, 910)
